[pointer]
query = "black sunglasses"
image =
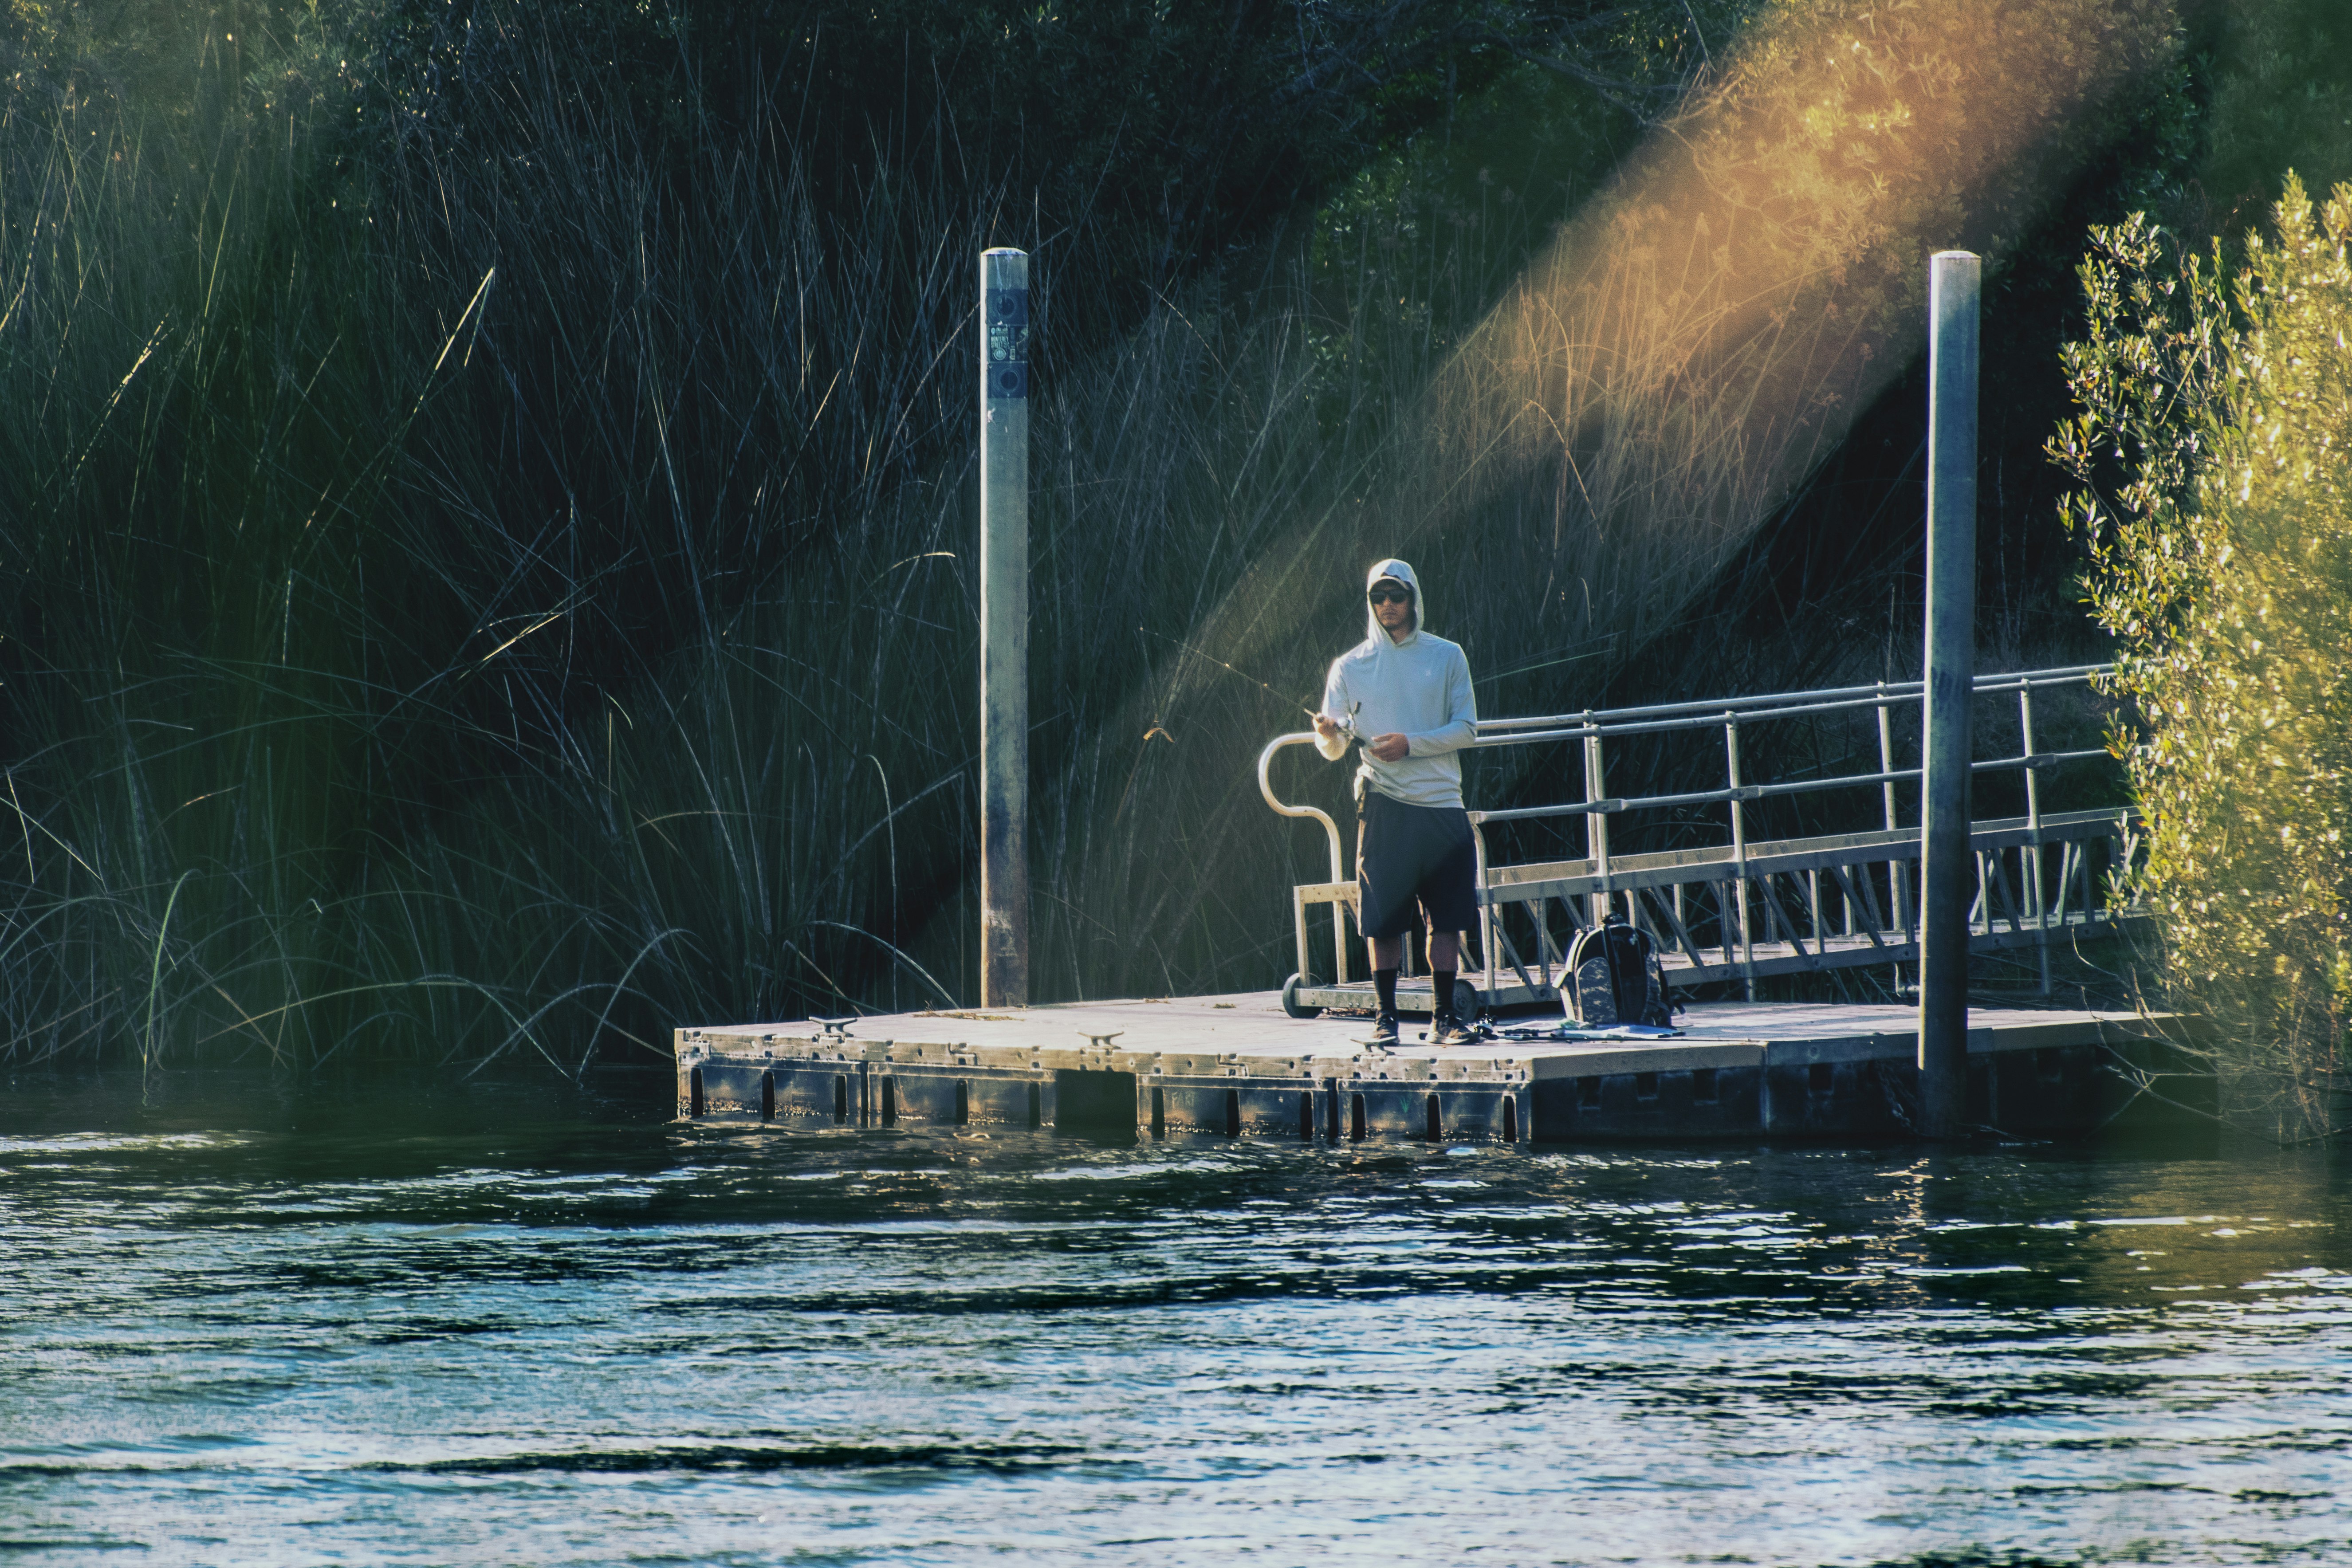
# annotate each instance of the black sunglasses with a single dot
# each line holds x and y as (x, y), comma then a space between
(1389, 596)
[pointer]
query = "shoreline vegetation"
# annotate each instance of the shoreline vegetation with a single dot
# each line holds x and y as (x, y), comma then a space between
(486, 490)
(2215, 455)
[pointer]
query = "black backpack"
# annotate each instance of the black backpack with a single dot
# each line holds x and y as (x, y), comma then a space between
(1614, 977)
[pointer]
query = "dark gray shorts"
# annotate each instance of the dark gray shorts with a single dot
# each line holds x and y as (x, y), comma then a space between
(1413, 861)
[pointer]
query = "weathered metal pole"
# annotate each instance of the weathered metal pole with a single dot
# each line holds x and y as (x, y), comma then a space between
(1738, 860)
(1945, 752)
(1596, 825)
(1004, 628)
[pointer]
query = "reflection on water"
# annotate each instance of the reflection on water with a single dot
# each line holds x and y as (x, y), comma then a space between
(241, 1324)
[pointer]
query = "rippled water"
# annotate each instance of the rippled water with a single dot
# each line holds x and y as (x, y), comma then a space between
(523, 1325)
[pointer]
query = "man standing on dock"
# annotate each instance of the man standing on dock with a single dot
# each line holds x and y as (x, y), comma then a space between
(1403, 696)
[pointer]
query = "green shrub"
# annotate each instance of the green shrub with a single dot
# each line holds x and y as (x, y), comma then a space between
(2215, 452)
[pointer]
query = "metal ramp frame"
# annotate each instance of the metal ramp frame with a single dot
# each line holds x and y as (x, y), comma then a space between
(1739, 911)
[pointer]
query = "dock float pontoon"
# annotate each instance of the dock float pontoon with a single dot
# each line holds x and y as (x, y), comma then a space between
(1238, 1066)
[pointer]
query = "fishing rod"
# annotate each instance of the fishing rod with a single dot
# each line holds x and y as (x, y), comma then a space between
(1347, 725)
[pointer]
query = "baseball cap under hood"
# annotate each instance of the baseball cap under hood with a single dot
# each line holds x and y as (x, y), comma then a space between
(1403, 573)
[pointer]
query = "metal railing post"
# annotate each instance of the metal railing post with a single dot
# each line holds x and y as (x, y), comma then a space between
(1331, 837)
(2029, 859)
(1486, 910)
(1004, 628)
(1596, 823)
(1739, 857)
(1945, 755)
(1898, 871)
(1298, 930)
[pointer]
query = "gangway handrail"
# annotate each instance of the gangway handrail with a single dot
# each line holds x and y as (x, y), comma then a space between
(1593, 726)
(1266, 788)
(1330, 831)
(1662, 718)
(1762, 791)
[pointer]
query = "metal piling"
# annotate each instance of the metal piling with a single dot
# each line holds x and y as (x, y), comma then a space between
(1953, 279)
(1004, 628)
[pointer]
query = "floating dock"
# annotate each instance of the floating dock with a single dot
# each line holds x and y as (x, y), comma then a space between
(1275, 1065)
(1238, 1066)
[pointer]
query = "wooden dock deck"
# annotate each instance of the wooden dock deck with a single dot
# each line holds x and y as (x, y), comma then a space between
(1237, 1065)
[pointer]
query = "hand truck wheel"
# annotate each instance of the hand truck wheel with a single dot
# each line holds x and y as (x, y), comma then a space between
(1292, 1005)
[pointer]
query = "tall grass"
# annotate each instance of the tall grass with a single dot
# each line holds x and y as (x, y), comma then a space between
(490, 573)
(500, 584)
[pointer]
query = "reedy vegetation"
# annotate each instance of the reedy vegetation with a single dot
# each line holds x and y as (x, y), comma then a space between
(489, 532)
(489, 539)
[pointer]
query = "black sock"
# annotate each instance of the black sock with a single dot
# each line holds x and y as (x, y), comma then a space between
(1384, 981)
(1441, 981)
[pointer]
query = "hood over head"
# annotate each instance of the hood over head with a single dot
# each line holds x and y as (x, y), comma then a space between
(1403, 573)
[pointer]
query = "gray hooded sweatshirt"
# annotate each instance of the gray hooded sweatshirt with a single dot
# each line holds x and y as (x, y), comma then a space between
(1419, 688)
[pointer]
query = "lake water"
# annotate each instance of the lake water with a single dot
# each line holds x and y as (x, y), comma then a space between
(517, 1324)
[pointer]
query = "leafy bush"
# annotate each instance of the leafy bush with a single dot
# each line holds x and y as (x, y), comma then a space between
(2215, 452)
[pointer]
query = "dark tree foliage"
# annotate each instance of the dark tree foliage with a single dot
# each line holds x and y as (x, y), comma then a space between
(1140, 140)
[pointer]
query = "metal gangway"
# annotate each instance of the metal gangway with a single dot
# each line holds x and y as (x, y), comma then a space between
(1742, 909)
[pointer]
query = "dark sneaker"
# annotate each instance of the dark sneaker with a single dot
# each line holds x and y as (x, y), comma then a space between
(1448, 1030)
(1385, 1029)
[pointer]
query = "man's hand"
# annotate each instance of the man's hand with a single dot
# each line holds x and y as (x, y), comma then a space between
(1326, 727)
(1389, 748)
